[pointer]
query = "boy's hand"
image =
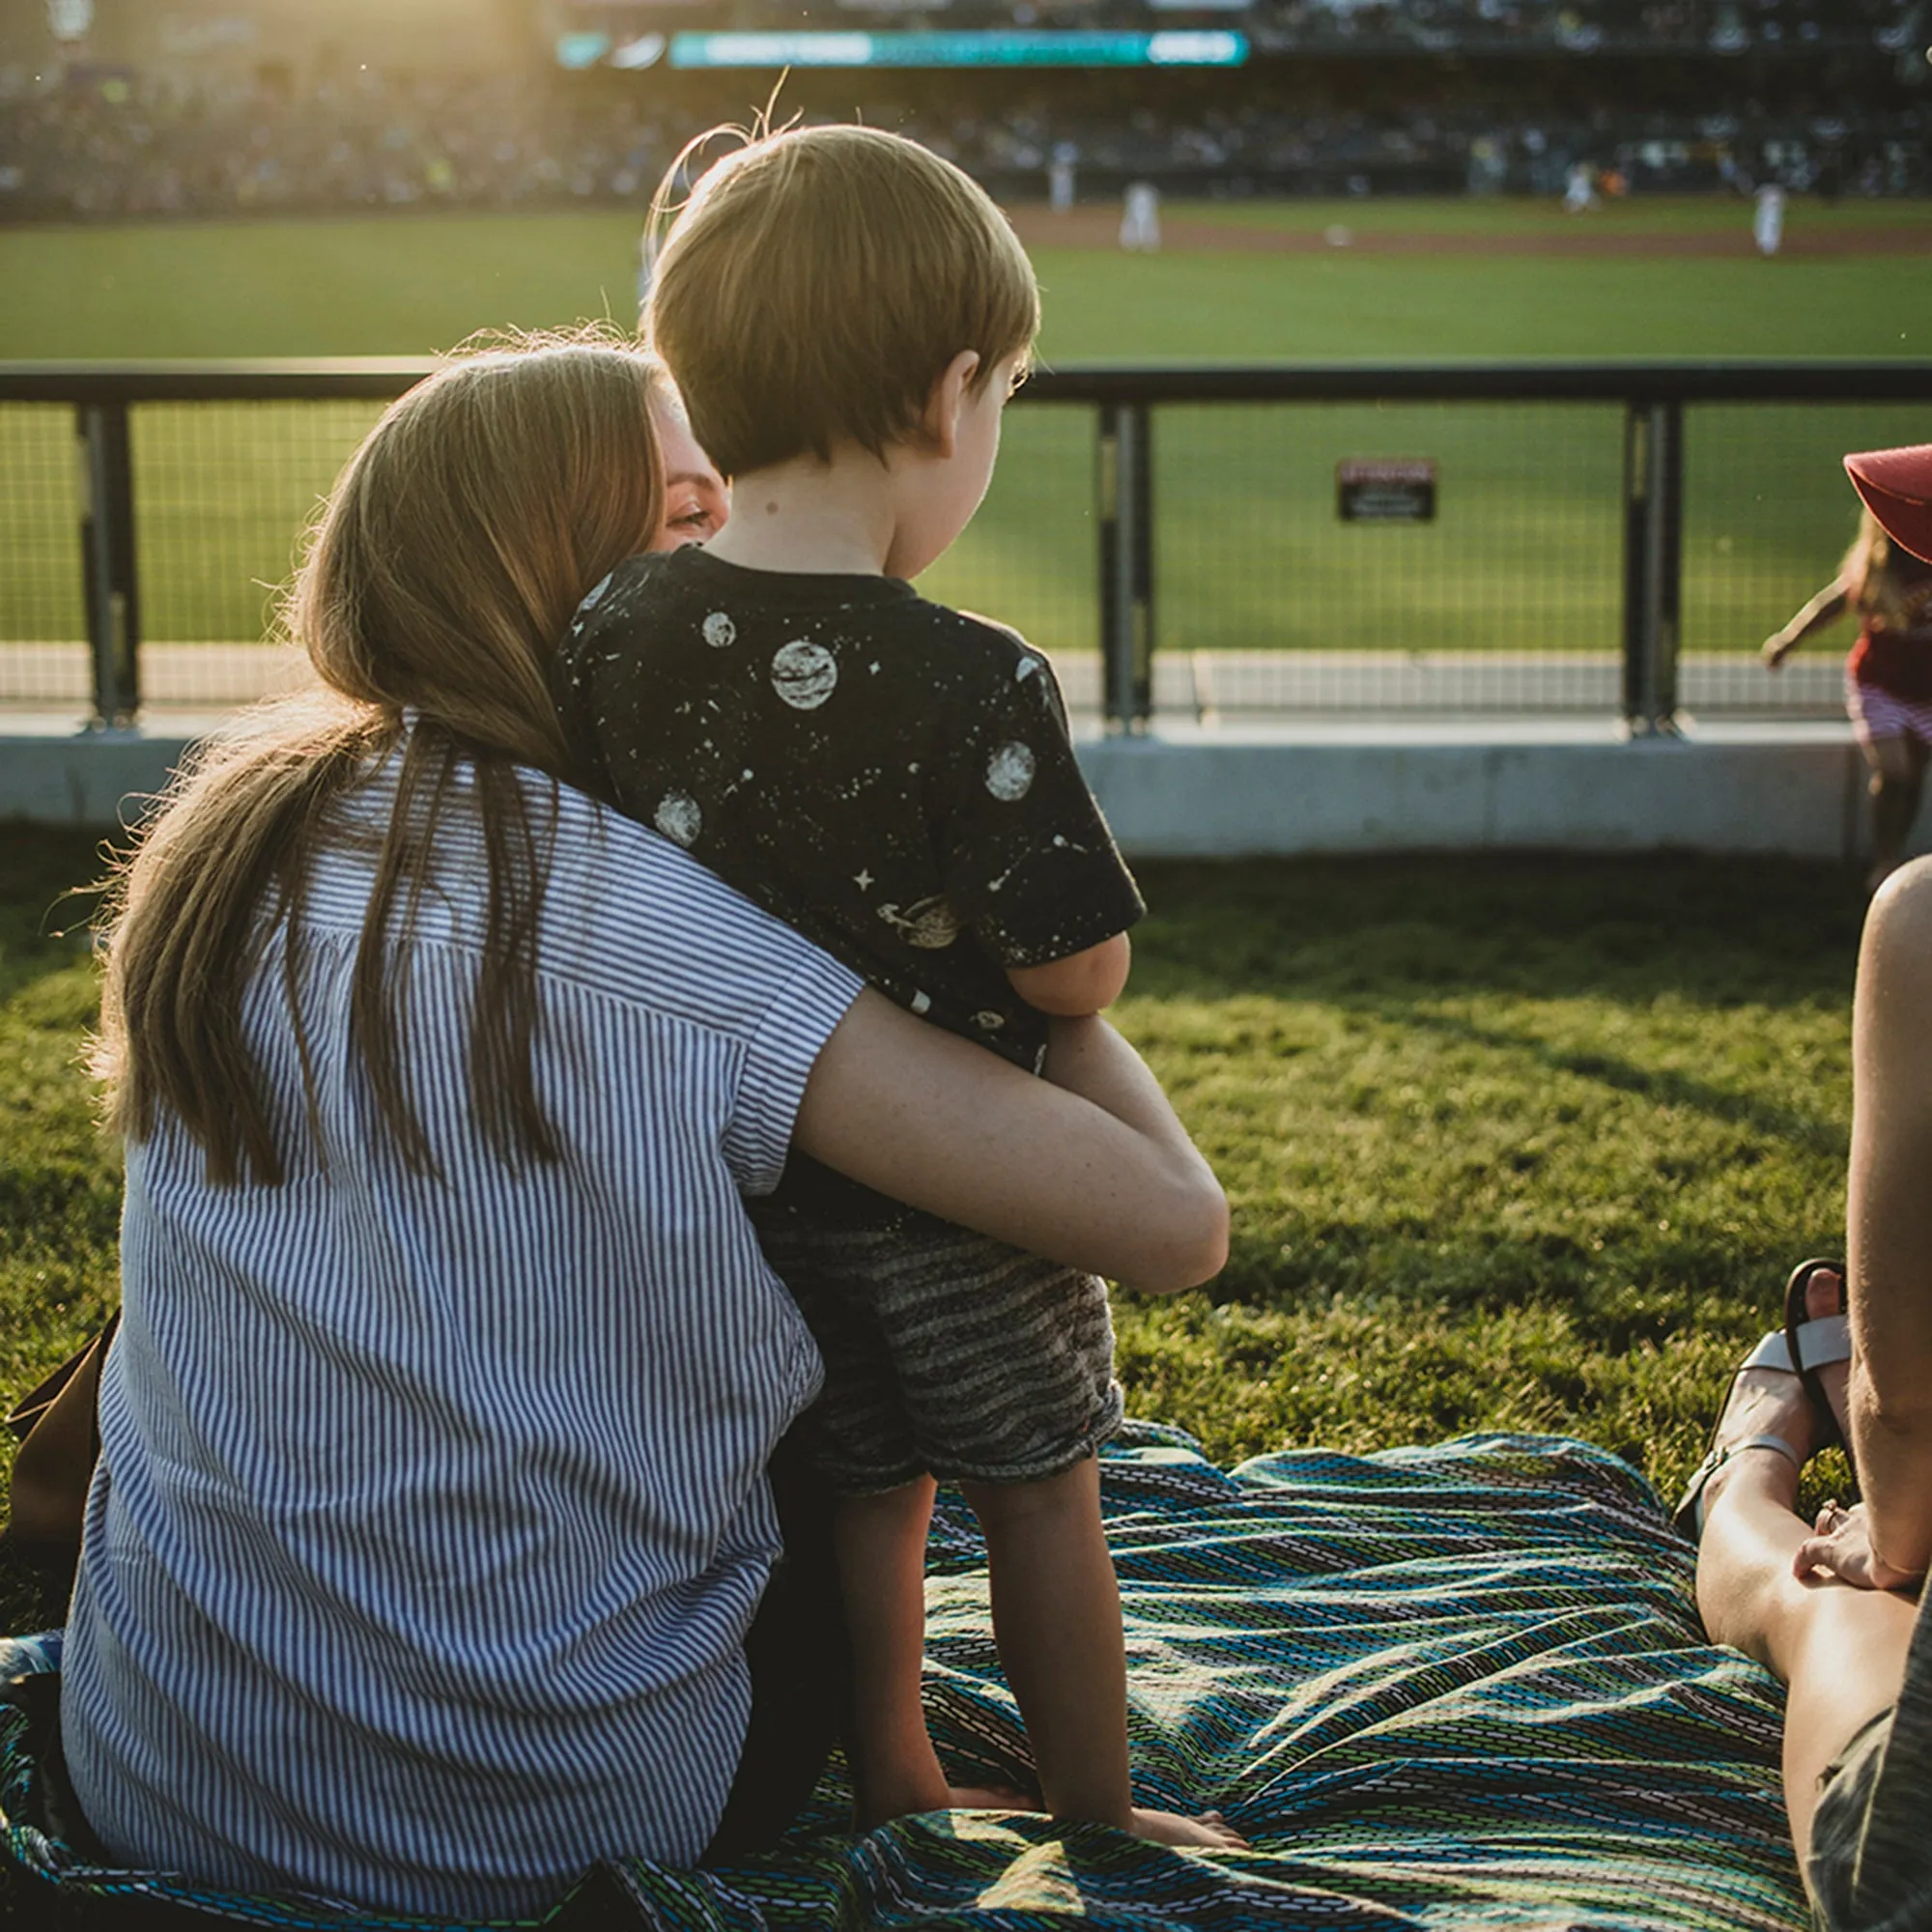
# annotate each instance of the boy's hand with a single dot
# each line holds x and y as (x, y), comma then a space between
(1081, 983)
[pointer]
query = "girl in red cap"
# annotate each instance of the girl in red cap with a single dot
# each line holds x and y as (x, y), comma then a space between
(1889, 674)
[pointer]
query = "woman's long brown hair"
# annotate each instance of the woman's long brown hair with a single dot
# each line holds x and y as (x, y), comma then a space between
(442, 572)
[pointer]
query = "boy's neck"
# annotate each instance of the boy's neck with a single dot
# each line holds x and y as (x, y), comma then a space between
(840, 517)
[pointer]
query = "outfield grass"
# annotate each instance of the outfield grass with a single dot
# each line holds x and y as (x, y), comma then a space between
(414, 285)
(1511, 1144)
(1525, 554)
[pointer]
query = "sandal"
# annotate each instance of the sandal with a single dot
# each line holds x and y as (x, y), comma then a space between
(1687, 1519)
(1800, 1348)
(1816, 1344)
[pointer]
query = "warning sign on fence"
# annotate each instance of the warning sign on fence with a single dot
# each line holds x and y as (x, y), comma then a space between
(1385, 490)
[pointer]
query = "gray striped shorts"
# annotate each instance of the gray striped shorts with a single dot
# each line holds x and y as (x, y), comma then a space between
(947, 1353)
(1870, 1865)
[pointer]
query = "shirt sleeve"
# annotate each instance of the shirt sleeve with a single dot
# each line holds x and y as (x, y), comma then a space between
(1030, 863)
(778, 1062)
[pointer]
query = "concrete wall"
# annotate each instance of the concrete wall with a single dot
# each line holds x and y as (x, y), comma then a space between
(63, 777)
(1227, 792)
(1205, 792)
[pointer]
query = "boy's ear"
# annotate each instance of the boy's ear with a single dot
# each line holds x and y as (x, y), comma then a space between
(940, 422)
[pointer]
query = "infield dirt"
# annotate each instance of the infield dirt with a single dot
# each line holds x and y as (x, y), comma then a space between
(1195, 233)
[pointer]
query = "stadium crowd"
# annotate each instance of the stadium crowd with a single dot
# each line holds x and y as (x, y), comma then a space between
(1456, 26)
(1588, 26)
(116, 148)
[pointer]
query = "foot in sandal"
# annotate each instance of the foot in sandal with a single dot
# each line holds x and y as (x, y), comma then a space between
(1772, 1413)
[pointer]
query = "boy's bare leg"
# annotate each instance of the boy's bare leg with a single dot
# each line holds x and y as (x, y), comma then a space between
(881, 1543)
(1056, 1621)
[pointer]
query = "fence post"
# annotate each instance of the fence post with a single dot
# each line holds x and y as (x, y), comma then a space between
(107, 563)
(1653, 564)
(1123, 492)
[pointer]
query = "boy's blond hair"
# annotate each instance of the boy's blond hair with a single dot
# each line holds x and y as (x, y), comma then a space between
(816, 285)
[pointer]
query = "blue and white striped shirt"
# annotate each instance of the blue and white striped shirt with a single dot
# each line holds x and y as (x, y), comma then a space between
(431, 1513)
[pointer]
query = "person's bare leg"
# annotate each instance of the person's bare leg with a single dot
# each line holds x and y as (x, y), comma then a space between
(1840, 1651)
(1897, 780)
(1056, 1621)
(881, 1544)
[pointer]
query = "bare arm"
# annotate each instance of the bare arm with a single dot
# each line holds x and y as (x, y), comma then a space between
(1089, 1167)
(1827, 608)
(1081, 983)
(1889, 1224)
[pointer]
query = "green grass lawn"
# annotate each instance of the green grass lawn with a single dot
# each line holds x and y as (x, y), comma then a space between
(1525, 554)
(1511, 1144)
(414, 285)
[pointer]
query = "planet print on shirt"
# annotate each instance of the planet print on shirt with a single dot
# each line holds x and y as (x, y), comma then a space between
(1010, 772)
(804, 675)
(931, 924)
(678, 817)
(719, 633)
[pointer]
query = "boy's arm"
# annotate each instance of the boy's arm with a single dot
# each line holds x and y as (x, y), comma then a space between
(1081, 983)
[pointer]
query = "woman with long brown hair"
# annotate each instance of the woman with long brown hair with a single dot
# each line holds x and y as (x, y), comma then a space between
(430, 1555)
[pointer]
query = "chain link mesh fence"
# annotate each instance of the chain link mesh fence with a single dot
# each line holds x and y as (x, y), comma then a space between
(223, 494)
(1508, 598)
(43, 658)
(1768, 514)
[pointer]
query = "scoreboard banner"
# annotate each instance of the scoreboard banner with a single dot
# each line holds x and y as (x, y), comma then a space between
(1019, 47)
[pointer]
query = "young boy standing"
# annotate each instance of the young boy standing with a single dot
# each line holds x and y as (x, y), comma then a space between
(845, 315)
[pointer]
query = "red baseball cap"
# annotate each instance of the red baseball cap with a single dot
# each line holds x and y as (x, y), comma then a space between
(1896, 485)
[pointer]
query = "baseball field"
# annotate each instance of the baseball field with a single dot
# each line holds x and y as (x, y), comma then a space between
(1524, 555)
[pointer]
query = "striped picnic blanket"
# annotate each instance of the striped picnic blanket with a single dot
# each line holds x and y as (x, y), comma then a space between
(1460, 1687)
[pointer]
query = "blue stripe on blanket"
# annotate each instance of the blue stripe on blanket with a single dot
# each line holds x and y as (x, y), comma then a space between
(1441, 1689)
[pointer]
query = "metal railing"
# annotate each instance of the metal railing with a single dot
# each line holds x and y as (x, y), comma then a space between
(1574, 510)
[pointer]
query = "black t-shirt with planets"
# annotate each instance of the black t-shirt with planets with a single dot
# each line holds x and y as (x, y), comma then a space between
(888, 777)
